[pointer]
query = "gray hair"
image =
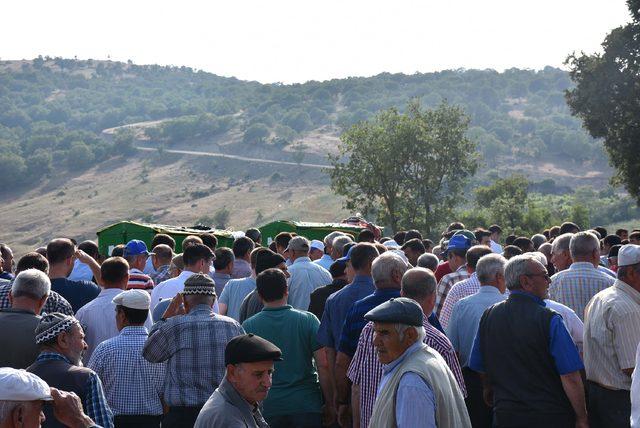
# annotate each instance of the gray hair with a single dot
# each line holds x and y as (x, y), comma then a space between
(561, 243)
(541, 257)
(428, 261)
(538, 239)
(339, 243)
(516, 267)
(583, 244)
(6, 407)
(31, 283)
(328, 240)
(418, 283)
(402, 328)
(489, 266)
(385, 265)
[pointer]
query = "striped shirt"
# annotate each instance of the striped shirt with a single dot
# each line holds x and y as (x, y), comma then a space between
(611, 335)
(366, 371)
(55, 302)
(574, 287)
(139, 280)
(459, 291)
(445, 284)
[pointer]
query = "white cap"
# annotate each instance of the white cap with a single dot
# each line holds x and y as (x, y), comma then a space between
(401, 254)
(391, 244)
(20, 385)
(134, 299)
(318, 245)
(629, 255)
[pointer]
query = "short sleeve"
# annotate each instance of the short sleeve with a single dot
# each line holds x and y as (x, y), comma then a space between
(224, 296)
(324, 330)
(563, 350)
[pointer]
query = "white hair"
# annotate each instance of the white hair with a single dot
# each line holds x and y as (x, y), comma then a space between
(385, 265)
(6, 407)
(561, 243)
(583, 244)
(541, 257)
(339, 243)
(402, 328)
(428, 261)
(328, 240)
(31, 283)
(489, 266)
(516, 267)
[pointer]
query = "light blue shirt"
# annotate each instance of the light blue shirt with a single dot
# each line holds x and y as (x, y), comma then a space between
(465, 319)
(80, 272)
(415, 400)
(325, 261)
(148, 267)
(234, 293)
(306, 276)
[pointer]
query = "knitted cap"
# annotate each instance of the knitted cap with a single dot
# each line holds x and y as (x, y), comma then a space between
(51, 325)
(199, 283)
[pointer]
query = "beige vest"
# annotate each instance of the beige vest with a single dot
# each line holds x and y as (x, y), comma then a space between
(451, 411)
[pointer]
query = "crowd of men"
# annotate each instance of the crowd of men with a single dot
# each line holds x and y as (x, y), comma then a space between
(351, 331)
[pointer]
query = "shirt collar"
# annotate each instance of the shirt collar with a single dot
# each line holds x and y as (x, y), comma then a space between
(529, 295)
(134, 330)
(110, 291)
(234, 396)
(489, 289)
(581, 265)
(185, 274)
(362, 278)
(302, 260)
(386, 368)
(198, 309)
(462, 268)
(279, 308)
(52, 355)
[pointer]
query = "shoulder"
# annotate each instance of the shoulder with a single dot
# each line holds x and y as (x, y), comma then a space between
(218, 412)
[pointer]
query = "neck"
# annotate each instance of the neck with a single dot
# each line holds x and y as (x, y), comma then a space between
(585, 260)
(25, 304)
(276, 303)
(380, 285)
(114, 286)
(363, 272)
(493, 284)
(58, 271)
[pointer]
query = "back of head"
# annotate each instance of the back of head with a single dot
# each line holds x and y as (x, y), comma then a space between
(254, 234)
(33, 260)
(399, 237)
(242, 246)
(363, 255)
(414, 244)
(339, 243)
(524, 243)
(163, 254)
(474, 253)
(418, 283)
(583, 245)
(546, 249)
(561, 243)
(271, 284)
(118, 251)
(209, 239)
(31, 283)
(481, 233)
(162, 238)
(114, 271)
(456, 225)
(90, 248)
(282, 239)
(59, 250)
(196, 252)
(538, 239)
(489, 266)
(621, 232)
(191, 240)
(554, 232)
(337, 269)
(516, 267)
(569, 227)
(385, 266)
(494, 228)
(611, 240)
(223, 257)
(366, 235)
(428, 261)
(601, 230)
(511, 251)
(412, 234)
(328, 240)
(263, 259)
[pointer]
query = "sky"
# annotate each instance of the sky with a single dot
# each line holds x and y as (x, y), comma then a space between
(296, 41)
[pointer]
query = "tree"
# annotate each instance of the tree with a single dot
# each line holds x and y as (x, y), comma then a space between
(412, 166)
(606, 98)
(221, 218)
(506, 199)
(79, 156)
(255, 133)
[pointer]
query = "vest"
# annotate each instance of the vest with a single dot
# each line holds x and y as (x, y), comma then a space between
(514, 341)
(61, 375)
(451, 411)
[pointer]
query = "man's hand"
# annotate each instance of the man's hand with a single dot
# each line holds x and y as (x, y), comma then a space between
(582, 423)
(67, 409)
(176, 307)
(84, 257)
(344, 415)
(328, 415)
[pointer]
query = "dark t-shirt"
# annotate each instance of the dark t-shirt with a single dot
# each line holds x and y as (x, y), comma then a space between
(18, 347)
(320, 295)
(77, 293)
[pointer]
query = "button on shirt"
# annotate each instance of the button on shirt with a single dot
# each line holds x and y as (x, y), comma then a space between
(611, 335)
(234, 293)
(465, 319)
(325, 261)
(132, 385)
(460, 290)
(306, 276)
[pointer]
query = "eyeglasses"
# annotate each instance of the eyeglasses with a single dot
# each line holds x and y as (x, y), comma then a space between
(544, 275)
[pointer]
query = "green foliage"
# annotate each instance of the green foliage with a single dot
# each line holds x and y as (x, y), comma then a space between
(506, 199)
(79, 156)
(221, 218)
(256, 133)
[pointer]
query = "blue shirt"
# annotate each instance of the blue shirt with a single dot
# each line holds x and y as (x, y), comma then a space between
(435, 322)
(306, 276)
(465, 319)
(325, 261)
(77, 293)
(355, 322)
(337, 306)
(234, 293)
(563, 350)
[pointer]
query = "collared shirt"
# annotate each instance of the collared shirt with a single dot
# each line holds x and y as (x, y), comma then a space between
(81, 272)
(325, 261)
(98, 319)
(320, 295)
(574, 287)
(337, 306)
(95, 404)
(635, 394)
(446, 283)
(611, 335)
(169, 288)
(54, 303)
(241, 269)
(460, 290)
(571, 321)
(139, 280)
(149, 269)
(234, 293)
(465, 319)
(495, 247)
(193, 346)
(162, 274)
(227, 408)
(563, 350)
(221, 280)
(132, 385)
(77, 293)
(365, 369)
(355, 322)
(306, 276)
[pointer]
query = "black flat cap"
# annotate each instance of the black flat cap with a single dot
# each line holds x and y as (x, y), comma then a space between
(400, 310)
(249, 348)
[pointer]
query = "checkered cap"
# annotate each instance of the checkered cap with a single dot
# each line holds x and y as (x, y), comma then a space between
(51, 325)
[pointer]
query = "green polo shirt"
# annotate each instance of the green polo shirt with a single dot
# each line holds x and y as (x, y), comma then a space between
(295, 388)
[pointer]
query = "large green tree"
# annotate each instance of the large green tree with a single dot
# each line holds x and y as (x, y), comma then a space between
(409, 167)
(607, 98)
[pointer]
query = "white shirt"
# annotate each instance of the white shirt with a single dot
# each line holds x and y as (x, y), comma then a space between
(571, 321)
(98, 318)
(171, 287)
(306, 276)
(80, 272)
(635, 394)
(495, 247)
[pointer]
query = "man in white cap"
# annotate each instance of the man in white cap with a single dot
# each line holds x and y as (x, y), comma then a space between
(306, 276)
(316, 250)
(133, 386)
(611, 337)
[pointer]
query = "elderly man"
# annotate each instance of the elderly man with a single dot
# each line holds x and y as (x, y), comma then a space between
(575, 286)
(306, 276)
(417, 388)
(192, 344)
(235, 403)
(29, 293)
(326, 260)
(611, 336)
(531, 366)
(316, 250)
(62, 344)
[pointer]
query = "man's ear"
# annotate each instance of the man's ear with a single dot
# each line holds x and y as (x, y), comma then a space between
(18, 416)
(410, 335)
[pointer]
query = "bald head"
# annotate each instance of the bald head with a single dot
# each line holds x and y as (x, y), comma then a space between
(418, 284)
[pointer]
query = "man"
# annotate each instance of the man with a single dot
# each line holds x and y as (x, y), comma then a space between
(236, 290)
(295, 398)
(235, 403)
(29, 292)
(61, 341)
(607, 243)
(365, 370)
(282, 242)
(223, 263)
(428, 261)
(366, 235)
(61, 254)
(569, 227)
(97, 316)
(197, 259)
(525, 244)
(483, 237)
(574, 287)
(161, 261)
(242, 248)
(531, 366)
(462, 328)
(538, 239)
(417, 388)
(133, 386)
(316, 250)
(6, 262)
(136, 254)
(209, 239)
(560, 254)
(82, 271)
(634, 237)
(338, 246)
(413, 248)
(306, 276)
(326, 260)
(255, 235)
(466, 287)
(320, 295)
(546, 249)
(456, 256)
(623, 234)
(193, 347)
(158, 239)
(496, 231)
(611, 337)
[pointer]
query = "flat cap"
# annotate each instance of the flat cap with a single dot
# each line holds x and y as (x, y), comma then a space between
(21, 385)
(629, 255)
(400, 310)
(133, 299)
(201, 284)
(298, 243)
(51, 325)
(249, 348)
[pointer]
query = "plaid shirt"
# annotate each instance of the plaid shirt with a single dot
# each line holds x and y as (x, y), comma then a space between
(54, 303)
(445, 285)
(162, 274)
(574, 287)
(193, 346)
(366, 371)
(95, 404)
(459, 291)
(133, 385)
